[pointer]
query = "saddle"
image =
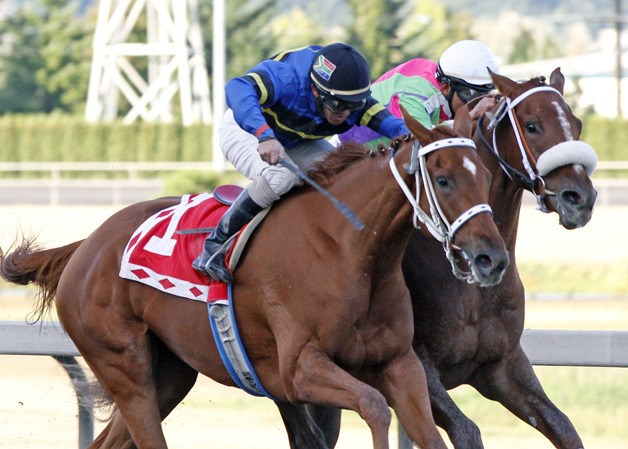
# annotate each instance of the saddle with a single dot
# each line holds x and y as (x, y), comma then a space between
(177, 234)
(160, 254)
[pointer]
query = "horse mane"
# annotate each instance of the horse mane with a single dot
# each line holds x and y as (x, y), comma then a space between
(345, 156)
(537, 81)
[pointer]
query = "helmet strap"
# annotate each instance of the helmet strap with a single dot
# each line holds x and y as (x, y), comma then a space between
(316, 93)
(450, 97)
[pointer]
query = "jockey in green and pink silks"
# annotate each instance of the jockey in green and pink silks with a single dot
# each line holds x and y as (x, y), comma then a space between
(430, 91)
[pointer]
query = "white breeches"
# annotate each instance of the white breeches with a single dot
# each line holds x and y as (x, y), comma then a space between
(269, 181)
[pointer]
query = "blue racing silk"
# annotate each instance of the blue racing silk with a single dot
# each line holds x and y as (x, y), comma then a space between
(275, 99)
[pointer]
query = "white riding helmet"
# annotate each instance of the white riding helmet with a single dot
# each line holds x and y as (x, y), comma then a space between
(467, 60)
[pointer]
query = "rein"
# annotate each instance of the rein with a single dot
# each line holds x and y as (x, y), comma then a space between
(512, 172)
(435, 222)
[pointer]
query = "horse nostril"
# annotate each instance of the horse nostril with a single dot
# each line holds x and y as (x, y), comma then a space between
(488, 265)
(571, 198)
(484, 263)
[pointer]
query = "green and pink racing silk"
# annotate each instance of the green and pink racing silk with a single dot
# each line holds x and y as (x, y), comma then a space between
(412, 84)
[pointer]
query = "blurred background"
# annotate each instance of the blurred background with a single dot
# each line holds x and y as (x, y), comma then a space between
(95, 115)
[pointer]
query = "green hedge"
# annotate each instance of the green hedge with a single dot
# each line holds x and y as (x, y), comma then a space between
(41, 138)
(607, 136)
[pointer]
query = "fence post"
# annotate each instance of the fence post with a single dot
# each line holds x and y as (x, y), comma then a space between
(83, 397)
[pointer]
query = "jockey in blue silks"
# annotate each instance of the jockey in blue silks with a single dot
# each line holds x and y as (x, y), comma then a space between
(284, 108)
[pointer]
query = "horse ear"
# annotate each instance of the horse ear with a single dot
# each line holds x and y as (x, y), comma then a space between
(504, 84)
(557, 80)
(413, 125)
(463, 125)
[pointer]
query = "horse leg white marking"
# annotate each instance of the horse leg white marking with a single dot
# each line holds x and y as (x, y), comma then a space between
(562, 118)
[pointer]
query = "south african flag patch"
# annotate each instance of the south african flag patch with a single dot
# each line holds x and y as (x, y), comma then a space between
(324, 67)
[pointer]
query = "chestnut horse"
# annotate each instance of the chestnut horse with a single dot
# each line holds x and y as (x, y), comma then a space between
(465, 334)
(335, 329)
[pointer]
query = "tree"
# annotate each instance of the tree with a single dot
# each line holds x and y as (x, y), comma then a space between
(430, 27)
(250, 36)
(389, 32)
(373, 31)
(20, 60)
(296, 29)
(45, 59)
(66, 48)
(523, 47)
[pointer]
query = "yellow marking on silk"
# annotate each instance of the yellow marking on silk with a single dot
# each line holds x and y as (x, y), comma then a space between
(258, 80)
(286, 128)
(370, 113)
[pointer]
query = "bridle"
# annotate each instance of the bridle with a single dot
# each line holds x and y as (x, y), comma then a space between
(532, 180)
(435, 222)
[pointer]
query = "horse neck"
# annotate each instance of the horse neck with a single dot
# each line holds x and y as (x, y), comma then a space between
(382, 207)
(505, 193)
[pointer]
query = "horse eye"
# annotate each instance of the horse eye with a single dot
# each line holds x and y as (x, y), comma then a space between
(532, 128)
(442, 181)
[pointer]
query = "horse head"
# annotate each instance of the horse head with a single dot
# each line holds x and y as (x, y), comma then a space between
(455, 190)
(553, 163)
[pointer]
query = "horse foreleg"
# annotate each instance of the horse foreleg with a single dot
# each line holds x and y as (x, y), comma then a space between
(404, 384)
(514, 384)
(462, 432)
(316, 379)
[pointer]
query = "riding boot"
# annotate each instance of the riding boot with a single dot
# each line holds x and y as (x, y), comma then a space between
(212, 260)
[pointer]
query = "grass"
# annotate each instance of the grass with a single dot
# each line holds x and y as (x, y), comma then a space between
(574, 277)
(595, 399)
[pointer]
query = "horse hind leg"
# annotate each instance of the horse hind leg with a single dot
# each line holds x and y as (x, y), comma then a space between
(119, 355)
(115, 435)
(309, 426)
(328, 420)
(173, 378)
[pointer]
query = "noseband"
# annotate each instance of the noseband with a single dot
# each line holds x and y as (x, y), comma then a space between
(571, 152)
(435, 222)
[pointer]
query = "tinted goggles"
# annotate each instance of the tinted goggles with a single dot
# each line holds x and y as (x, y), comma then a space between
(467, 93)
(335, 105)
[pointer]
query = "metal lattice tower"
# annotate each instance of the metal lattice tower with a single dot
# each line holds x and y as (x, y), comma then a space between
(172, 57)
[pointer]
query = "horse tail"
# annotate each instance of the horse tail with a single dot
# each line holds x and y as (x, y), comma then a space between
(27, 264)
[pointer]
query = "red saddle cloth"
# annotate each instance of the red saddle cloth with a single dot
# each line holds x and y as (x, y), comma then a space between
(158, 256)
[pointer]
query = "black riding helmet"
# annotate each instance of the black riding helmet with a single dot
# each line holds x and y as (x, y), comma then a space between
(341, 76)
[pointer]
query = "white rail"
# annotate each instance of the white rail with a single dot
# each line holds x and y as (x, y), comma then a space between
(543, 347)
(133, 168)
(54, 188)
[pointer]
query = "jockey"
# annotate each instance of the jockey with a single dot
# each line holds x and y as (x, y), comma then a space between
(432, 92)
(284, 108)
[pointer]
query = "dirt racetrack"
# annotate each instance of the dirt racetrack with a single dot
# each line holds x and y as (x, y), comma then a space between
(540, 237)
(38, 407)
